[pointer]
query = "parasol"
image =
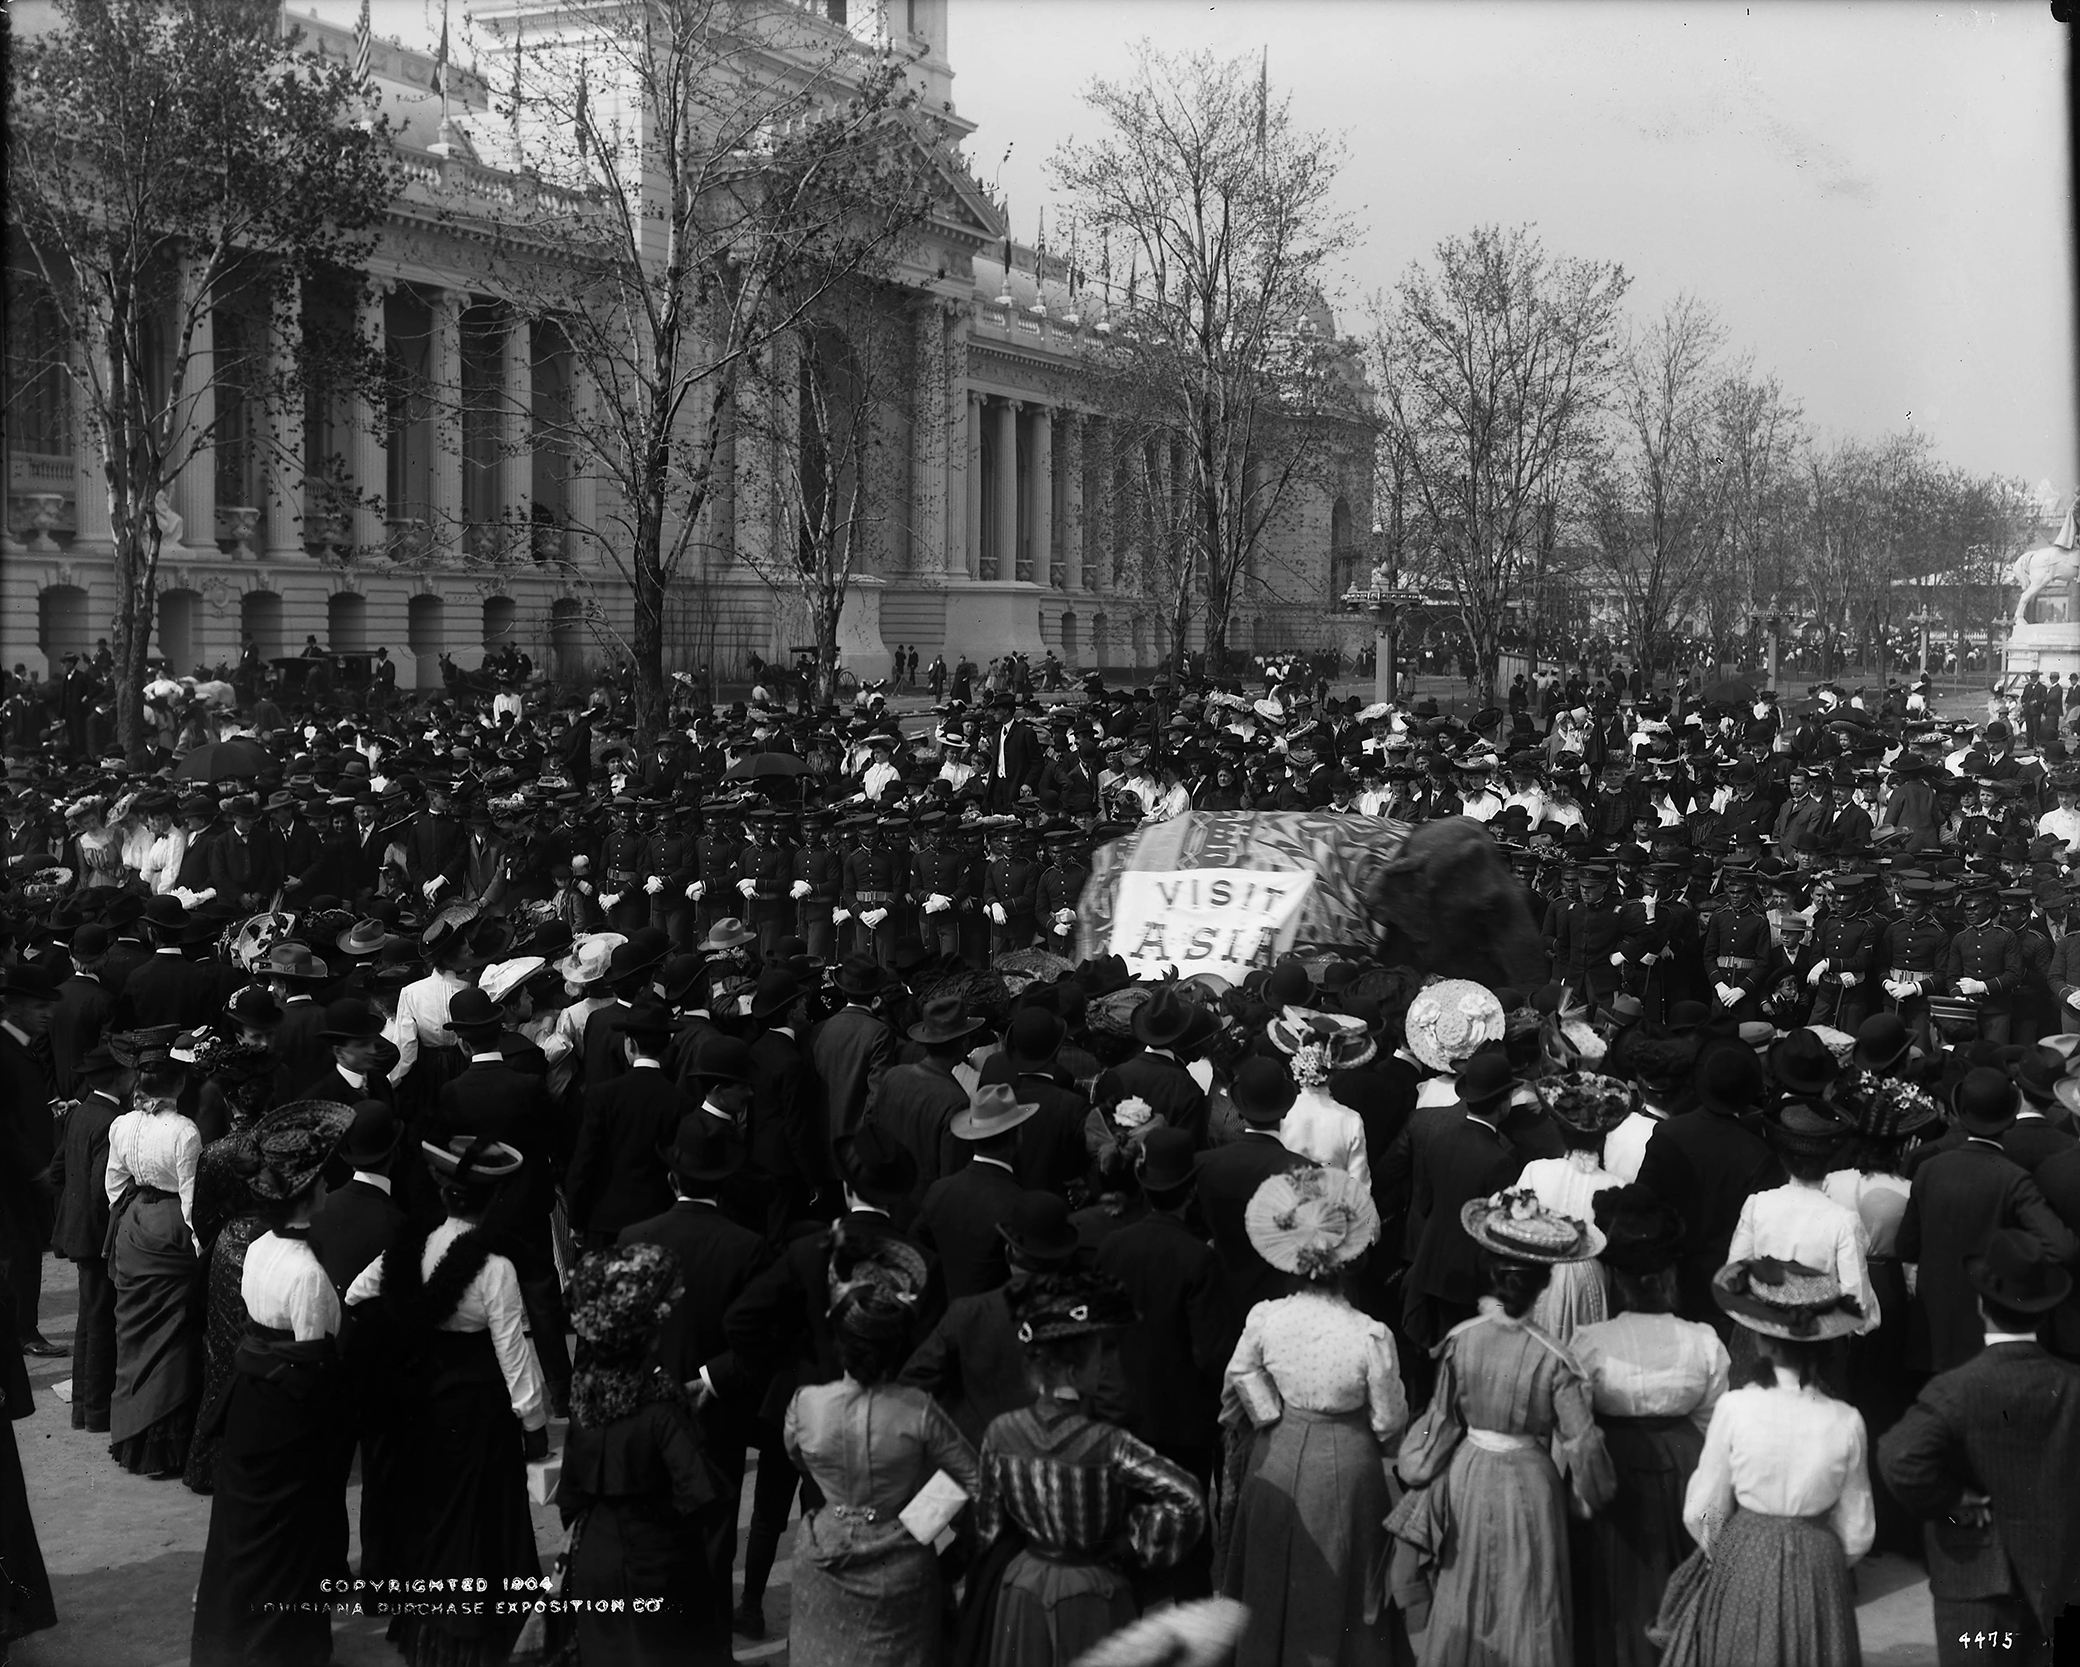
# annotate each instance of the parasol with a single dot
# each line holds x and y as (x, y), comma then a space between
(1730, 691)
(760, 766)
(241, 756)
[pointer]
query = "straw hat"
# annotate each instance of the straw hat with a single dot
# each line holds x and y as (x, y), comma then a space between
(292, 1143)
(1516, 1225)
(1450, 1020)
(1321, 1042)
(1786, 1299)
(1311, 1221)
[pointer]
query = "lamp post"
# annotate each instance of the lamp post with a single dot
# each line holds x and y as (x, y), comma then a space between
(1382, 599)
(1921, 619)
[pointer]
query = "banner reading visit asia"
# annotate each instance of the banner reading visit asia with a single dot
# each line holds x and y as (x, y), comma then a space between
(1227, 921)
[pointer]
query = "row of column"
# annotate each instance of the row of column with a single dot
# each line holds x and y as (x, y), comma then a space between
(1022, 541)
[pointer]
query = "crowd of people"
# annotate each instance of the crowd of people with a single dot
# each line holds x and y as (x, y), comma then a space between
(481, 1102)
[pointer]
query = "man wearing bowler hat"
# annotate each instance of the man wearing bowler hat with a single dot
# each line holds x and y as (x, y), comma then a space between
(352, 1032)
(168, 989)
(784, 1138)
(79, 1177)
(616, 1173)
(915, 1103)
(852, 1047)
(961, 1212)
(361, 1220)
(629, 971)
(1161, 1025)
(1983, 1455)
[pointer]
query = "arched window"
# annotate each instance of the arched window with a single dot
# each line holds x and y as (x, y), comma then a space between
(260, 623)
(498, 622)
(61, 622)
(1069, 637)
(1101, 643)
(180, 630)
(346, 622)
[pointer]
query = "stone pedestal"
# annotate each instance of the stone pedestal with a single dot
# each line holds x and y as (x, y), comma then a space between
(860, 648)
(993, 617)
(2045, 648)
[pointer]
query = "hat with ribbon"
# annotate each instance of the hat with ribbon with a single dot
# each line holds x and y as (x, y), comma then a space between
(285, 1150)
(589, 957)
(1786, 1299)
(1311, 1221)
(465, 1158)
(993, 1109)
(1450, 1020)
(1516, 1225)
(1053, 1308)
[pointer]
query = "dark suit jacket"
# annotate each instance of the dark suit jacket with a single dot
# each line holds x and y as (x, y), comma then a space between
(77, 1022)
(500, 1103)
(1959, 1200)
(79, 1172)
(296, 1041)
(782, 1135)
(1706, 1165)
(1168, 1087)
(1051, 1152)
(125, 956)
(1452, 1160)
(2030, 1140)
(972, 1364)
(2058, 1179)
(352, 1228)
(166, 990)
(1228, 1178)
(603, 1058)
(915, 1106)
(330, 1085)
(617, 1175)
(2005, 1424)
(959, 1223)
(849, 1050)
(28, 1146)
(1173, 1356)
(719, 1259)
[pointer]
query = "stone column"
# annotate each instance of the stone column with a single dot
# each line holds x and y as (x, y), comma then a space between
(581, 491)
(90, 521)
(516, 453)
(930, 479)
(445, 536)
(282, 515)
(971, 454)
(1004, 564)
(194, 491)
(1042, 495)
(368, 446)
(957, 415)
(1072, 499)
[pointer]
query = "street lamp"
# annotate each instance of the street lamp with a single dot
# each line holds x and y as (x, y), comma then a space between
(1383, 599)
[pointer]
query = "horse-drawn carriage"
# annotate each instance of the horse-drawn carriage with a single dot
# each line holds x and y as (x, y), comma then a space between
(309, 676)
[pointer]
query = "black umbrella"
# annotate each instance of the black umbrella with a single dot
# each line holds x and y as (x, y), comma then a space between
(758, 766)
(241, 757)
(1730, 691)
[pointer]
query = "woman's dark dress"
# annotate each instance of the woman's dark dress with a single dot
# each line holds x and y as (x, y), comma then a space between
(158, 1345)
(20, 1550)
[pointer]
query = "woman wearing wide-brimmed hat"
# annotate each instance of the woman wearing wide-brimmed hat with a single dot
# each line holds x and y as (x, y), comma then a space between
(1319, 1381)
(1654, 1379)
(1487, 1513)
(1584, 1107)
(278, 1517)
(1780, 1503)
(637, 1491)
(867, 1593)
(1086, 1496)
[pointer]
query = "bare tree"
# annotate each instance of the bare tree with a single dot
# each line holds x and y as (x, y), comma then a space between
(1491, 370)
(741, 164)
(1224, 357)
(165, 162)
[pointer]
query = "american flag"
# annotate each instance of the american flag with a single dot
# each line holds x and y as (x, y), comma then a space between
(440, 60)
(361, 39)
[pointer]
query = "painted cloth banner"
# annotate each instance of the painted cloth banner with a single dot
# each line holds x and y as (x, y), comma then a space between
(1227, 921)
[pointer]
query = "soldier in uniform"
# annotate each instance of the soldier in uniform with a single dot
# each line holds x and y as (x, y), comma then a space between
(1586, 938)
(1984, 963)
(712, 887)
(671, 851)
(940, 881)
(1737, 947)
(871, 892)
(765, 879)
(1010, 885)
(1911, 955)
(1653, 932)
(1061, 885)
(817, 876)
(625, 866)
(2036, 1009)
(1846, 947)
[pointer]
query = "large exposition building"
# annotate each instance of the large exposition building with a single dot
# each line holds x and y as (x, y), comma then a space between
(996, 485)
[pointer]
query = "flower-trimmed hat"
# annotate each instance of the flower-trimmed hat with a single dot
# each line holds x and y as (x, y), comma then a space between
(1586, 1100)
(1311, 1221)
(1882, 1108)
(1049, 1308)
(1321, 1042)
(1642, 1231)
(619, 1297)
(286, 1148)
(1786, 1299)
(1516, 1225)
(1451, 1020)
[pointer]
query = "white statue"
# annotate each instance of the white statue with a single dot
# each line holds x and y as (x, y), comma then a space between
(170, 523)
(2036, 571)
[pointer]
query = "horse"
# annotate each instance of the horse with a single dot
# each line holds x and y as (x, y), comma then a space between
(2036, 571)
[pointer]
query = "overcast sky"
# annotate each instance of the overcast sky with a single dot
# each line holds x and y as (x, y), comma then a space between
(1875, 197)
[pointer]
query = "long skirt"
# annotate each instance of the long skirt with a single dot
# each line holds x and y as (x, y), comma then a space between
(1493, 1531)
(865, 1595)
(26, 1604)
(631, 1548)
(469, 1511)
(1049, 1612)
(1774, 1592)
(1880, 1386)
(158, 1344)
(277, 1523)
(1632, 1545)
(1307, 1554)
(223, 1328)
(1577, 1295)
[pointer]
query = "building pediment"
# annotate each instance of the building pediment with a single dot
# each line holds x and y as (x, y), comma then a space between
(965, 209)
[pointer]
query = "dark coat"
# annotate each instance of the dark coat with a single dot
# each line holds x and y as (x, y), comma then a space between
(499, 1103)
(601, 1058)
(849, 1050)
(1051, 1152)
(297, 1044)
(915, 1105)
(354, 1226)
(972, 1364)
(2000, 1424)
(1228, 1178)
(328, 1084)
(959, 1223)
(166, 990)
(719, 1259)
(2058, 1179)
(1960, 1200)
(1452, 1160)
(2030, 1140)
(1173, 1357)
(1706, 1165)
(782, 1135)
(77, 1022)
(617, 1175)
(79, 1173)
(1169, 1088)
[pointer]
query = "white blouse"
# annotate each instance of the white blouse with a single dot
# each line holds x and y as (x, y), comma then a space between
(162, 860)
(1324, 1356)
(284, 1286)
(1787, 1452)
(1879, 1201)
(1802, 1224)
(154, 1149)
(1652, 1366)
(1325, 1130)
(490, 1302)
(422, 1017)
(1625, 1147)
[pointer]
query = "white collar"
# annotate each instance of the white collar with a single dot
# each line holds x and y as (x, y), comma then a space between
(380, 1182)
(293, 1000)
(1993, 1337)
(353, 1079)
(81, 972)
(494, 1057)
(999, 1162)
(716, 1112)
(20, 1036)
(860, 1207)
(168, 949)
(640, 1064)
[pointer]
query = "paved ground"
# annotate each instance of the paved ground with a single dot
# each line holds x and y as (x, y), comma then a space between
(125, 1553)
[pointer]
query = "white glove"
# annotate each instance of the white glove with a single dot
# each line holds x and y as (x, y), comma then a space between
(996, 913)
(840, 916)
(1648, 959)
(1971, 987)
(798, 890)
(607, 899)
(1729, 994)
(584, 888)
(2073, 1000)
(697, 890)
(937, 903)
(1899, 988)
(427, 890)
(654, 884)
(1066, 917)
(188, 899)
(747, 887)
(873, 917)
(1618, 960)
(1851, 979)
(1819, 972)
